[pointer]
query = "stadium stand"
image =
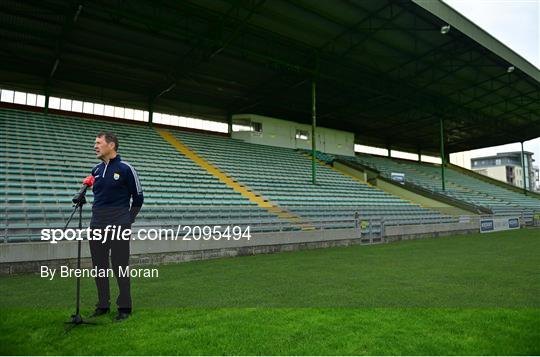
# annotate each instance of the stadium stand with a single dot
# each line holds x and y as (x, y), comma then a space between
(283, 176)
(500, 201)
(40, 173)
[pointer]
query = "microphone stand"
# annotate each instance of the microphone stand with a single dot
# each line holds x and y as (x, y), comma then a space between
(76, 319)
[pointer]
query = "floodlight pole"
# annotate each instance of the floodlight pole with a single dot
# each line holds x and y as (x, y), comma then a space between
(443, 160)
(313, 129)
(523, 169)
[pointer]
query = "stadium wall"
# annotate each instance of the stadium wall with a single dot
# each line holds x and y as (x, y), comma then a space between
(278, 132)
(28, 257)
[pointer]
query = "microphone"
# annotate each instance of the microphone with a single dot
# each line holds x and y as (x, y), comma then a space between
(79, 197)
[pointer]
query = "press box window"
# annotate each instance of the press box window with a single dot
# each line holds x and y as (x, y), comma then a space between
(302, 134)
(256, 127)
(241, 125)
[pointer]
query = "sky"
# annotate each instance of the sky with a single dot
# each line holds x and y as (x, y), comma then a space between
(516, 23)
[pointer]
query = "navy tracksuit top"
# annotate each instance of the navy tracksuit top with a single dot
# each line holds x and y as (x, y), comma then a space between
(115, 184)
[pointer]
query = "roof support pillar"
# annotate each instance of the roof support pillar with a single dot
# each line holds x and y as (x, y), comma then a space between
(150, 111)
(443, 157)
(313, 131)
(523, 169)
(229, 123)
(47, 96)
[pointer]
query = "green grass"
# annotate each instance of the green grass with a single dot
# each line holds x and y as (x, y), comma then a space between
(476, 294)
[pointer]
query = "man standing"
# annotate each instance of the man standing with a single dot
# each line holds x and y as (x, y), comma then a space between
(116, 182)
(357, 224)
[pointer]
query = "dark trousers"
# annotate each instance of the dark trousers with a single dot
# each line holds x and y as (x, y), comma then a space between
(119, 252)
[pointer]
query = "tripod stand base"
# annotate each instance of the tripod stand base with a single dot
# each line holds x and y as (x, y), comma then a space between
(77, 320)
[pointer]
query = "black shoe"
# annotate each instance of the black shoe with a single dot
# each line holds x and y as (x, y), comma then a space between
(99, 312)
(121, 316)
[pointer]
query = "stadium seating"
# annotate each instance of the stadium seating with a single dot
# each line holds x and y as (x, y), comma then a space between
(501, 201)
(283, 176)
(44, 159)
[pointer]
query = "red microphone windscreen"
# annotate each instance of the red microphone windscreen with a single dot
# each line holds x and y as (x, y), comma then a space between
(89, 181)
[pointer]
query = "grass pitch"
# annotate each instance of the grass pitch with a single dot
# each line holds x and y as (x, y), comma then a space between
(475, 294)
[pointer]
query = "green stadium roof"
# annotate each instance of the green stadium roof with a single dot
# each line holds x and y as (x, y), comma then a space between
(383, 69)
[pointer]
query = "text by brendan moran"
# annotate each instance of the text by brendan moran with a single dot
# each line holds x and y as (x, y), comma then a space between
(66, 272)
